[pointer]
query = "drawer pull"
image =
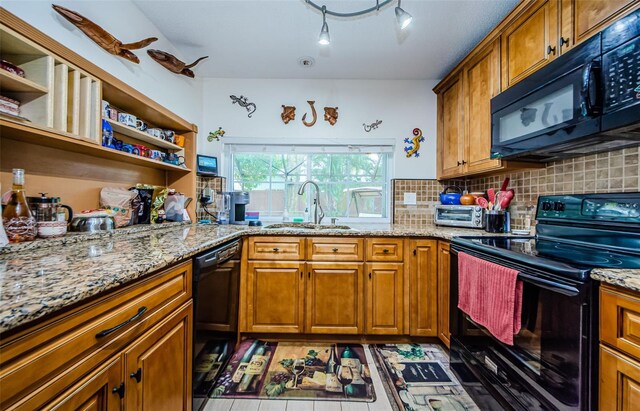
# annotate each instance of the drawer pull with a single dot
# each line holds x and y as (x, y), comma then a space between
(276, 249)
(104, 333)
(369, 276)
(137, 375)
(119, 390)
(386, 251)
(335, 250)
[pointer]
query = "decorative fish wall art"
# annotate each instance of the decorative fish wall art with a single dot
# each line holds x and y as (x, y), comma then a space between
(174, 64)
(102, 37)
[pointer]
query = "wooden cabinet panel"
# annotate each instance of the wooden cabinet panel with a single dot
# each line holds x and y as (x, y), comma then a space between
(451, 129)
(620, 321)
(424, 288)
(44, 355)
(385, 249)
(619, 381)
(384, 298)
(276, 248)
(158, 365)
(335, 249)
(481, 80)
(526, 42)
(444, 265)
(334, 302)
(95, 392)
(221, 286)
(582, 19)
(275, 296)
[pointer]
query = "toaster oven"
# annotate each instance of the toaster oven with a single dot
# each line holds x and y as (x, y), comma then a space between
(469, 216)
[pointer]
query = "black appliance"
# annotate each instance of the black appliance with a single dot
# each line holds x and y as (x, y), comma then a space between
(216, 282)
(239, 202)
(553, 362)
(584, 102)
(207, 166)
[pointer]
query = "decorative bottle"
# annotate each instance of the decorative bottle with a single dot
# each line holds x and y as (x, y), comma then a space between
(332, 383)
(350, 358)
(253, 373)
(19, 223)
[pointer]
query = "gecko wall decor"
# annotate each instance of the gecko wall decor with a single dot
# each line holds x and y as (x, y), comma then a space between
(372, 126)
(215, 135)
(242, 102)
(414, 143)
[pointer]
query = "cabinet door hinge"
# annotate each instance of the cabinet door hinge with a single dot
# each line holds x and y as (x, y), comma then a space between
(119, 390)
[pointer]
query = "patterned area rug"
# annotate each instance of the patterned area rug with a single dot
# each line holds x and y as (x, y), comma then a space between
(296, 371)
(418, 377)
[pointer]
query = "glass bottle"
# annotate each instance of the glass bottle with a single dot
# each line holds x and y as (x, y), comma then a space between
(332, 383)
(19, 223)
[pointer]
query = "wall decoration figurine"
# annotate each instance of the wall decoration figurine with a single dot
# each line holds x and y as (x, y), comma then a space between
(174, 64)
(331, 115)
(288, 114)
(313, 113)
(102, 37)
(215, 135)
(414, 143)
(242, 101)
(371, 126)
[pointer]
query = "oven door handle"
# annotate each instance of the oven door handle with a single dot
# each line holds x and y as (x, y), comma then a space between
(589, 107)
(550, 285)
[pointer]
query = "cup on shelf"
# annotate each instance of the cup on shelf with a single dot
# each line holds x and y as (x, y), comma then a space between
(105, 109)
(173, 158)
(113, 114)
(141, 150)
(155, 154)
(155, 132)
(168, 135)
(141, 125)
(127, 148)
(127, 119)
(179, 140)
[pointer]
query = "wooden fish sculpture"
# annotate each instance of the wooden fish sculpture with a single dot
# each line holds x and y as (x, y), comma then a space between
(172, 63)
(102, 37)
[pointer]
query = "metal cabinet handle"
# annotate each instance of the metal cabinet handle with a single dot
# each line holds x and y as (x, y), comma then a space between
(119, 390)
(335, 250)
(551, 50)
(137, 375)
(564, 41)
(464, 162)
(309, 274)
(369, 276)
(459, 163)
(104, 333)
(386, 250)
(301, 274)
(276, 249)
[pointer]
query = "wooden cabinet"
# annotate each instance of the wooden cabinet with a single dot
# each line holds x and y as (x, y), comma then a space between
(444, 259)
(530, 42)
(620, 320)
(384, 298)
(385, 249)
(619, 381)
(276, 248)
(275, 296)
(70, 361)
(581, 19)
(451, 128)
(423, 276)
(335, 302)
(481, 82)
(158, 366)
(333, 249)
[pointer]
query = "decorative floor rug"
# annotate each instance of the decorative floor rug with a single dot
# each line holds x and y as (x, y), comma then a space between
(296, 371)
(418, 377)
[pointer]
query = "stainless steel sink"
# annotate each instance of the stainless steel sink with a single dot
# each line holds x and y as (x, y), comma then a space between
(306, 227)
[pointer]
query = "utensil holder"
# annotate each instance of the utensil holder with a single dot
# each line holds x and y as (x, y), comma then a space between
(495, 221)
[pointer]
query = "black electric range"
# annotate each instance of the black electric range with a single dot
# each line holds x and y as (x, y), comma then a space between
(553, 362)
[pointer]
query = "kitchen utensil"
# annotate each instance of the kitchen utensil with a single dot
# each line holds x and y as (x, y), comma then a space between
(48, 208)
(505, 199)
(505, 184)
(467, 199)
(491, 195)
(451, 198)
(482, 202)
(495, 221)
(93, 223)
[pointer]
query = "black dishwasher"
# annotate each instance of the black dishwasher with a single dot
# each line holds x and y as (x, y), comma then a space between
(216, 281)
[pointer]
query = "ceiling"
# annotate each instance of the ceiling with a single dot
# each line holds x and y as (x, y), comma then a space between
(266, 38)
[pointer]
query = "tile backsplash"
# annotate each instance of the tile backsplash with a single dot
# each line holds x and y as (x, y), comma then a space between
(615, 171)
(217, 184)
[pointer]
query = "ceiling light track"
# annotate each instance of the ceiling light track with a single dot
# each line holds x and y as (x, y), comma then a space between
(403, 18)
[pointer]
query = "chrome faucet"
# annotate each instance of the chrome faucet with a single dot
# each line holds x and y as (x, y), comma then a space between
(317, 215)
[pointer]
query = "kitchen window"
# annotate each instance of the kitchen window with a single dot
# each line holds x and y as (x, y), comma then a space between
(353, 180)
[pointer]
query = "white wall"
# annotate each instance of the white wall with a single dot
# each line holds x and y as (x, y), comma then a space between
(402, 105)
(126, 22)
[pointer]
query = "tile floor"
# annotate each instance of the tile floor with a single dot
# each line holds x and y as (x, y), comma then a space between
(381, 404)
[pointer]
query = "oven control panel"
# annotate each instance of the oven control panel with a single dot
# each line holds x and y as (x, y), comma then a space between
(616, 207)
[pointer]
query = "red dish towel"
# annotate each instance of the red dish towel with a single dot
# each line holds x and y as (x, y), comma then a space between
(491, 295)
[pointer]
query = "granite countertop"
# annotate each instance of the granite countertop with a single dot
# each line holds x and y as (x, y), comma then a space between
(42, 277)
(626, 278)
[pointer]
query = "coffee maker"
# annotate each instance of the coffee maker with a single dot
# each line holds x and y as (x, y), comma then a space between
(239, 201)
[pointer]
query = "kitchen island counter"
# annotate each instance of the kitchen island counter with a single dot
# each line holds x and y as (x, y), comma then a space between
(626, 278)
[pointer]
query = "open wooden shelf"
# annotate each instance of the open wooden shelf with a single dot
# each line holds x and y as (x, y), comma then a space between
(141, 135)
(56, 139)
(14, 83)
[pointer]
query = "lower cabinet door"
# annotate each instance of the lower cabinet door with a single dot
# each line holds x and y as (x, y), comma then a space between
(99, 391)
(158, 365)
(275, 296)
(619, 381)
(384, 298)
(334, 298)
(423, 288)
(444, 259)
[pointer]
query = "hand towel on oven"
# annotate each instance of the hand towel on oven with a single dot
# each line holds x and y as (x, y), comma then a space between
(491, 295)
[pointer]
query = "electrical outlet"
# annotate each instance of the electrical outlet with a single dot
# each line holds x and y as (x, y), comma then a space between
(410, 199)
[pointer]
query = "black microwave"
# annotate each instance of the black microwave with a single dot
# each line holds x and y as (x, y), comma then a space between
(584, 102)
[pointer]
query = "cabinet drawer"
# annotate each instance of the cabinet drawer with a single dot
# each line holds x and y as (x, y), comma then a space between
(384, 249)
(620, 320)
(276, 248)
(75, 342)
(335, 249)
(619, 381)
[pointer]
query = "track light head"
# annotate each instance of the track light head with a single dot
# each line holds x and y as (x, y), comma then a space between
(404, 18)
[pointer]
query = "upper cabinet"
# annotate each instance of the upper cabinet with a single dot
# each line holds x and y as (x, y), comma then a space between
(532, 35)
(580, 19)
(529, 42)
